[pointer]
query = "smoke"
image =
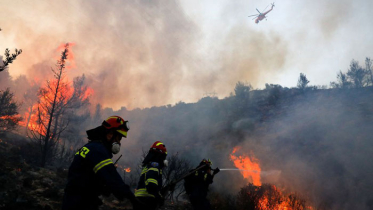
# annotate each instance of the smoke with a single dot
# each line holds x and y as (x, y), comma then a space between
(321, 145)
(137, 54)
(316, 145)
(152, 53)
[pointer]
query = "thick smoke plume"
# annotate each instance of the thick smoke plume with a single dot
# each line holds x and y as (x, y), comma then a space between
(151, 53)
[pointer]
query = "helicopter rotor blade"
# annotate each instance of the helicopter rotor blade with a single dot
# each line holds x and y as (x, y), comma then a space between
(265, 8)
(252, 15)
(258, 11)
(254, 18)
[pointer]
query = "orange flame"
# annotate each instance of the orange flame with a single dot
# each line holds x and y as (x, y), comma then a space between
(249, 165)
(127, 169)
(285, 203)
(269, 196)
(89, 92)
(64, 94)
(30, 118)
(66, 91)
(8, 117)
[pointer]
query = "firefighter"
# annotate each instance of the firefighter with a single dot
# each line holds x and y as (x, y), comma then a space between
(92, 172)
(196, 185)
(149, 187)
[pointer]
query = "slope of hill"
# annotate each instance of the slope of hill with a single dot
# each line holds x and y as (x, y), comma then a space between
(320, 141)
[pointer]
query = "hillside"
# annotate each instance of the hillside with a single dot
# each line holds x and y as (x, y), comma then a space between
(318, 140)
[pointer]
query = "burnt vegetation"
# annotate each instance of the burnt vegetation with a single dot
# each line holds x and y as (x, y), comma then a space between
(318, 137)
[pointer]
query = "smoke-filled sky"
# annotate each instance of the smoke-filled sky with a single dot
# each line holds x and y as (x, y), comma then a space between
(150, 53)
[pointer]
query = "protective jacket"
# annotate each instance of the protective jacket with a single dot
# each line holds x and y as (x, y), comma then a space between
(197, 184)
(92, 173)
(150, 183)
(196, 187)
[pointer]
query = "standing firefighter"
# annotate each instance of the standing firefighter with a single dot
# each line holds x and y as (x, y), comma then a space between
(92, 172)
(197, 184)
(149, 188)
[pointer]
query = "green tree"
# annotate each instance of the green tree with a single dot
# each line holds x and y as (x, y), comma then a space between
(241, 99)
(242, 90)
(9, 117)
(274, 93)
(9, 58)
(342, 81)
(356, 74)
(302, 81)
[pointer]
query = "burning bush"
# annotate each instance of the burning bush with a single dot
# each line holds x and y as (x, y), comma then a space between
(267, 196)
(59, 104)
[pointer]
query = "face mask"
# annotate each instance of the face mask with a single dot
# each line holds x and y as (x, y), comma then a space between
(115, 148)
(165, 163)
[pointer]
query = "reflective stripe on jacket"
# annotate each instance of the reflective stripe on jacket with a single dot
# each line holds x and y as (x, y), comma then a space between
(92, 173)
(197, 184)
(150, 182)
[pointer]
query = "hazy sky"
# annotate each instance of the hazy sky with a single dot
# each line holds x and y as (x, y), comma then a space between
(152, 53)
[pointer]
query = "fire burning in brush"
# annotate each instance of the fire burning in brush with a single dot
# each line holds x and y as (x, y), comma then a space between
(67, 94)
(249, 166)
(88, 92)
(127, 169)
(12, 118)
(256, 195)
(268, 197)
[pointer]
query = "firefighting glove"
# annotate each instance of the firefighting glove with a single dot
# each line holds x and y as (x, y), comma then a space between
(216, 170)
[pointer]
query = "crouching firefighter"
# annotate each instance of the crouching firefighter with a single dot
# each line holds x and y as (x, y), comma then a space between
(196, 185)
(149, 188)
(92, 172)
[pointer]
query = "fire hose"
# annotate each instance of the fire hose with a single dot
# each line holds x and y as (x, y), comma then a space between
(174, 182)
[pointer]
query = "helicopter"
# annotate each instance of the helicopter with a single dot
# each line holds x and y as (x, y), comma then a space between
(261, 16)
